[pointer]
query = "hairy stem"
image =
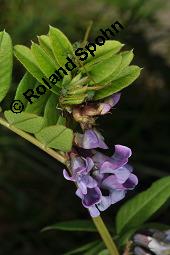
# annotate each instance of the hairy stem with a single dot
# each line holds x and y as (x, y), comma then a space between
(103, 231)
(105, 235)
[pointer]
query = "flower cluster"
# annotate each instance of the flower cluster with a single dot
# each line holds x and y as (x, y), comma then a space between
(101, 180)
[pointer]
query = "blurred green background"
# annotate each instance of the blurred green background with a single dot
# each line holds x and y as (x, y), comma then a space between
(33, 192)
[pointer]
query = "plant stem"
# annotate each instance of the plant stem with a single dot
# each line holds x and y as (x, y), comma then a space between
(83, 44)
(105, 235)
(34, 141)
(103, 231)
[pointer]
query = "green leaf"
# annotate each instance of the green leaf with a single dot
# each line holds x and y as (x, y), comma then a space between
(60, 45)
(127, 57)
(74, 225)
(104, 69)
(25, 56)
(61, 121)
(27, 82)
(139, 209)
(45, 63)
(28, 122)
(51, 113)
(57, 137)
(45, 44)
(6, 61)
(83, 248)
(103, 52)
(38, 105)
(128, 75)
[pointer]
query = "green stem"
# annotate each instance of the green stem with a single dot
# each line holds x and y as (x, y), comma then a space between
(83, 44)
(103, 231)
(105, 235)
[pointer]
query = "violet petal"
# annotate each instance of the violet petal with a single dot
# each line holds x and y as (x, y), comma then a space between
(117, 195)
(92, 197)
(131, 182)
(104, 203)
(94, 212)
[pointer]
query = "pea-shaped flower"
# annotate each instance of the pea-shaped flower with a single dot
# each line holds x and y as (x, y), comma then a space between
(80, 169)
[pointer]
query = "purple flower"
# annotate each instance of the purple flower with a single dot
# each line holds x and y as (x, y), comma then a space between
(80, 168)
(114, 175)
(91, 139)
(90, 200)
(117, 185)
(108, 103)
(101, 173)
(119, 159)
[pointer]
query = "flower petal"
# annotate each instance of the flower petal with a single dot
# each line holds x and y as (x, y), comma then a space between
(82, 186)
(67, 176)
(121, 155)
(131, 182)
(122, 152)
(104, 108)
(77, 164)
(79, 193)
(111, 182)
(104, 203)
(80, 165)
(92, 197)
(94, 212)
(108, 103)
(122, 174)
(89, 164)
(107, 167)
(90, 140)
(99, 158)
(117, 195)
(89, 181)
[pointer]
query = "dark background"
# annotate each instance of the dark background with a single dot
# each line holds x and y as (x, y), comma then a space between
(33, 192)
